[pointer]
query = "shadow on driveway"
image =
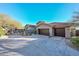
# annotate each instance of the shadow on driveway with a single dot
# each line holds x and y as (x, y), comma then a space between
(40, 47)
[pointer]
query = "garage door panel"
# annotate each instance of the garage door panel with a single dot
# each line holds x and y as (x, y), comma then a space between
(43, 31)
(59, 32)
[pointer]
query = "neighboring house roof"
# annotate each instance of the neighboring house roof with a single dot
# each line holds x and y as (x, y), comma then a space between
(19, 31)
(60, 24)
(43, 24)
(30, 25)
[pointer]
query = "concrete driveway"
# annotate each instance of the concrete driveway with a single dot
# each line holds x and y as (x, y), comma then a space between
(36, 45)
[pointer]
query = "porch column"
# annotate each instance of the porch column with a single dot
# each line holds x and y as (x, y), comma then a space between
(50, 31)
(37, 31)
(67, 32)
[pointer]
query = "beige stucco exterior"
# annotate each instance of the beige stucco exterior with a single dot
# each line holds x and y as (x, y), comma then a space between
(67, 32)
(51, 30)
(45, 26)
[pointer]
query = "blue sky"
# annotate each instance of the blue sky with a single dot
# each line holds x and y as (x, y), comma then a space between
(31, 13)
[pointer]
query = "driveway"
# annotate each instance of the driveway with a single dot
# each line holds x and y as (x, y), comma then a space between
(36, 45)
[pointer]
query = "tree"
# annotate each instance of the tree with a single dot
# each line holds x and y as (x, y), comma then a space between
(40, 22)
(75, 17)
(75, 22)
(8, 23)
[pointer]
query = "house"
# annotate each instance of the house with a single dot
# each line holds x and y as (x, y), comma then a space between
(56, 29)
(30, 29)
(19, 31)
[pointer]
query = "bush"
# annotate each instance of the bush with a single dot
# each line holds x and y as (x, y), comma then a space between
(2, 32)
(75, 41)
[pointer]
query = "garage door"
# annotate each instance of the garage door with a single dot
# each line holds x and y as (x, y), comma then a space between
(59, 32)
(77, 32)
(43, 31)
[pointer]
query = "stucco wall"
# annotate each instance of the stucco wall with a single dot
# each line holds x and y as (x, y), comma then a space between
(67, 32)
(51, 30)
(45, 27)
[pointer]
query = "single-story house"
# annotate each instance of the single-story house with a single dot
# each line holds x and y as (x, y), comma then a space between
(56, 29)
(19, 31)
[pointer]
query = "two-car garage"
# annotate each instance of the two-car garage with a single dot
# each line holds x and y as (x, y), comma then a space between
(57, 32)
(54, 29)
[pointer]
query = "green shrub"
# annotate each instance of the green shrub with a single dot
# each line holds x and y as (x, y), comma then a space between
(75, 41)
(2, 32)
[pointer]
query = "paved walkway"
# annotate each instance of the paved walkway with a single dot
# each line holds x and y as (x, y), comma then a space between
(36, 46)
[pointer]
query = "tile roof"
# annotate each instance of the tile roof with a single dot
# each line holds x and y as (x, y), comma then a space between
(60, 23)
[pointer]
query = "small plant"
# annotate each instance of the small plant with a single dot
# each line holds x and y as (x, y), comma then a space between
(2, 32)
